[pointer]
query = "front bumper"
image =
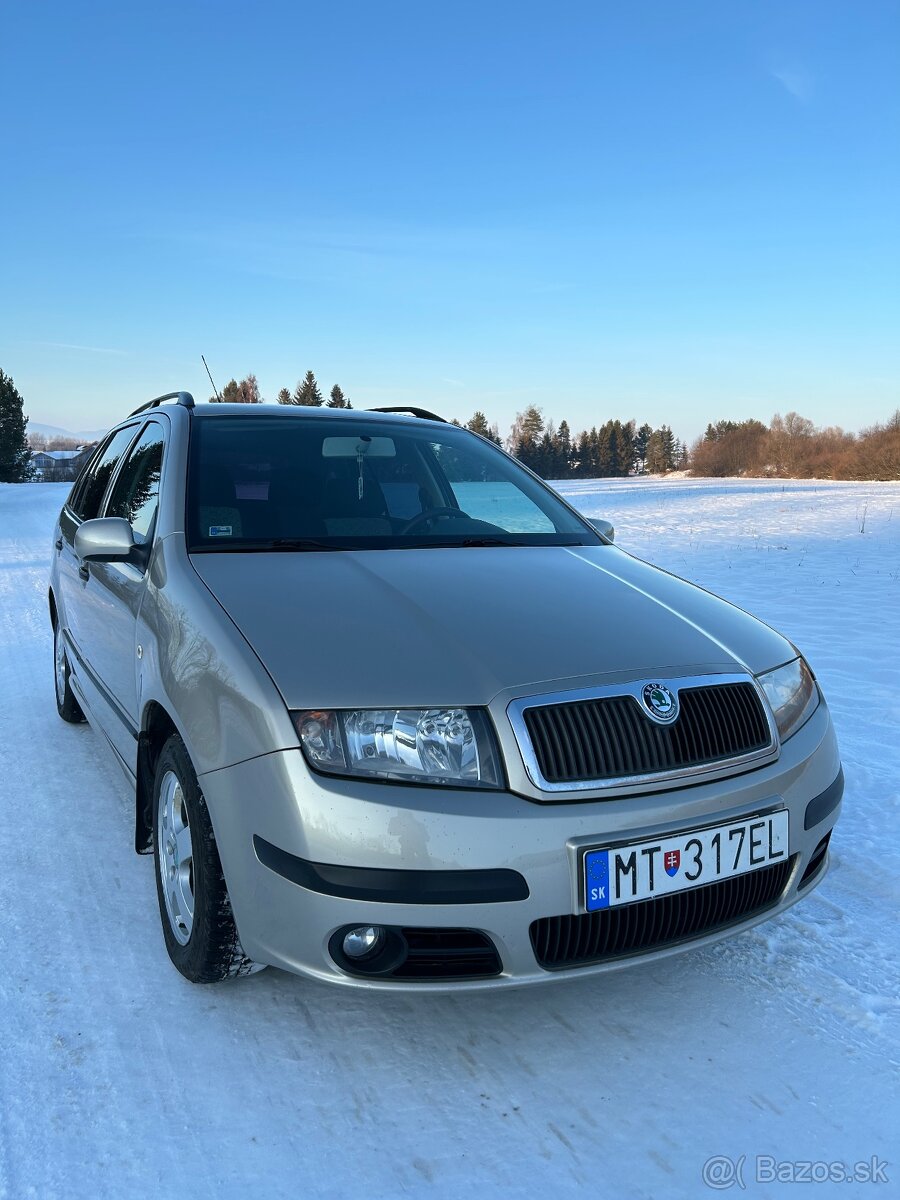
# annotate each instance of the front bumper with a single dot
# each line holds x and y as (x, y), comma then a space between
(287, 917)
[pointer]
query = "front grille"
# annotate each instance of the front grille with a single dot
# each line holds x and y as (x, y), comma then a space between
(447, 954)
(573, 941)
(611, 737)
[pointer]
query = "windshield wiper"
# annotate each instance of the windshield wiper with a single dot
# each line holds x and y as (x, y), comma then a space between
(471, 541)
(300, 544)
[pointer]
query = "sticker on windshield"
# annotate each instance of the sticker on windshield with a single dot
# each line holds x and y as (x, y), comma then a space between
(220, 531)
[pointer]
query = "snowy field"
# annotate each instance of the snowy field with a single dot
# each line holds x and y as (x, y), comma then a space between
(119, 1079)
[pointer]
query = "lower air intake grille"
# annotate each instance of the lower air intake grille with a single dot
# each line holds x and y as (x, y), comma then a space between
(817, 860)
(447, 954)
(572, 941)
(611, 737)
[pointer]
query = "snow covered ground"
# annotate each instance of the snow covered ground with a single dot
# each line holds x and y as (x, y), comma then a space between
(119, 1079)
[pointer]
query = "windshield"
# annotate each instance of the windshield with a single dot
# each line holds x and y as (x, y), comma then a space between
(287, 483)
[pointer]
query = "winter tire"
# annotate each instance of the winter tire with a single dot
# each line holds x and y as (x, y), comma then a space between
(66, 704)
(198, 924)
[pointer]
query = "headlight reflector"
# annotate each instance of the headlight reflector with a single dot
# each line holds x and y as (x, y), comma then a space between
(792, 692)
(417, 745)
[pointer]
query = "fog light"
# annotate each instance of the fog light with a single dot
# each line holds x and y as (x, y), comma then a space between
(363, 941)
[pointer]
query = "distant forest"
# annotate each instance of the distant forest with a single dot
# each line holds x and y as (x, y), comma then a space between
(790, 446)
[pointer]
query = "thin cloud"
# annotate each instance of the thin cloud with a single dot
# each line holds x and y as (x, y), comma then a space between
(84, 349)
(795, 79)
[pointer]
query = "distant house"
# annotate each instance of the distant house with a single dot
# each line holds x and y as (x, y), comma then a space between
(58, 466)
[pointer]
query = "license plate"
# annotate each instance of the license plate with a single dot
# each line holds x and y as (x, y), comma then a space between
(645, 870)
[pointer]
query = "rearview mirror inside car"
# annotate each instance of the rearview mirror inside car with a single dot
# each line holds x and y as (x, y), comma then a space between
(355, 447)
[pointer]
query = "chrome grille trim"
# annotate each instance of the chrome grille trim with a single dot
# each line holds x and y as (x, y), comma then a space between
(695, 772)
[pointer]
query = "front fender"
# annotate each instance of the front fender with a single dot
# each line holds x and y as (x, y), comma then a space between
(197, 665)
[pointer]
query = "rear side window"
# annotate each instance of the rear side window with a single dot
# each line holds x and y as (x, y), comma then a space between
(88, 495)
(135, 495)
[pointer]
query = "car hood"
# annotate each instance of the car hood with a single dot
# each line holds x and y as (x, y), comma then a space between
(425, 627)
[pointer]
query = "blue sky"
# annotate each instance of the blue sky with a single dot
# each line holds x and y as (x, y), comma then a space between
(676, 212)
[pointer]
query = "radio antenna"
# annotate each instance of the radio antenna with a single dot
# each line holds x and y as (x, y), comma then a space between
(209, 373)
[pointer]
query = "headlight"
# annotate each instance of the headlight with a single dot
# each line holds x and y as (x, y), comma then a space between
(409, 745)
(793, 695)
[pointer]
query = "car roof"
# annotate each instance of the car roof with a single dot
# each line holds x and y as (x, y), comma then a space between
(213, 408)
(302, 412)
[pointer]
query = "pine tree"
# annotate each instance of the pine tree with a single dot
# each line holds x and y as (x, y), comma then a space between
(284, 397)
(15, 457)
(625, 460)
(526, 434)
(595, 460)
(526, 451)
(307, 392)
(641, 438)
(478, 423)
(668, 441)
(546, 456)
(661, 451)
(655, 460)
(715, 433)
(617, 449)
(229, 393)
(337, 399)
(563, 451)
(604, 450)
(582, 466)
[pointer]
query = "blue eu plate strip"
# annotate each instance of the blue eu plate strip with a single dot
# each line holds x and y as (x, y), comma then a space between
(596, 880)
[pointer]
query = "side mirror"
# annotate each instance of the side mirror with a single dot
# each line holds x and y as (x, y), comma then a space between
(605, 528)
(105, 539)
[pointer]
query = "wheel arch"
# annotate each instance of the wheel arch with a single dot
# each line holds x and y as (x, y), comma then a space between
(157, 726)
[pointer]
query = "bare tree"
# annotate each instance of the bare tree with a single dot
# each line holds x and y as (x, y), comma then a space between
(245, 392)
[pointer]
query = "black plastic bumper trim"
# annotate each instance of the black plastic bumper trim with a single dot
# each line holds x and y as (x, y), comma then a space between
(825, 803)
(384, 886)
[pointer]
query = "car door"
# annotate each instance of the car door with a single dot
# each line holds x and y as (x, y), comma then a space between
(115, 591)
(84, 503)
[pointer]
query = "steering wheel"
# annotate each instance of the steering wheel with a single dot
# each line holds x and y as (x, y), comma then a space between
(430, 514)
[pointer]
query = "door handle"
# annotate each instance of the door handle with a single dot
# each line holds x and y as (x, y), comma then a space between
(83, 572)
(58, 543)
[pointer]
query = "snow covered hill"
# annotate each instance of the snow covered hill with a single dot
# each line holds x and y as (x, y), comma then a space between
(56, 431)
(119, 1079)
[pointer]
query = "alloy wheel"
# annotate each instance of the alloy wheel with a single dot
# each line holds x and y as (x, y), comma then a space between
(176, 857)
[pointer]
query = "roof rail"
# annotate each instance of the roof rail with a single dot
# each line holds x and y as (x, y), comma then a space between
(416, 412)
(183, 398)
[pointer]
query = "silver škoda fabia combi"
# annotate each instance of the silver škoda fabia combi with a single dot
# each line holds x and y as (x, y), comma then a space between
(395, 715)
